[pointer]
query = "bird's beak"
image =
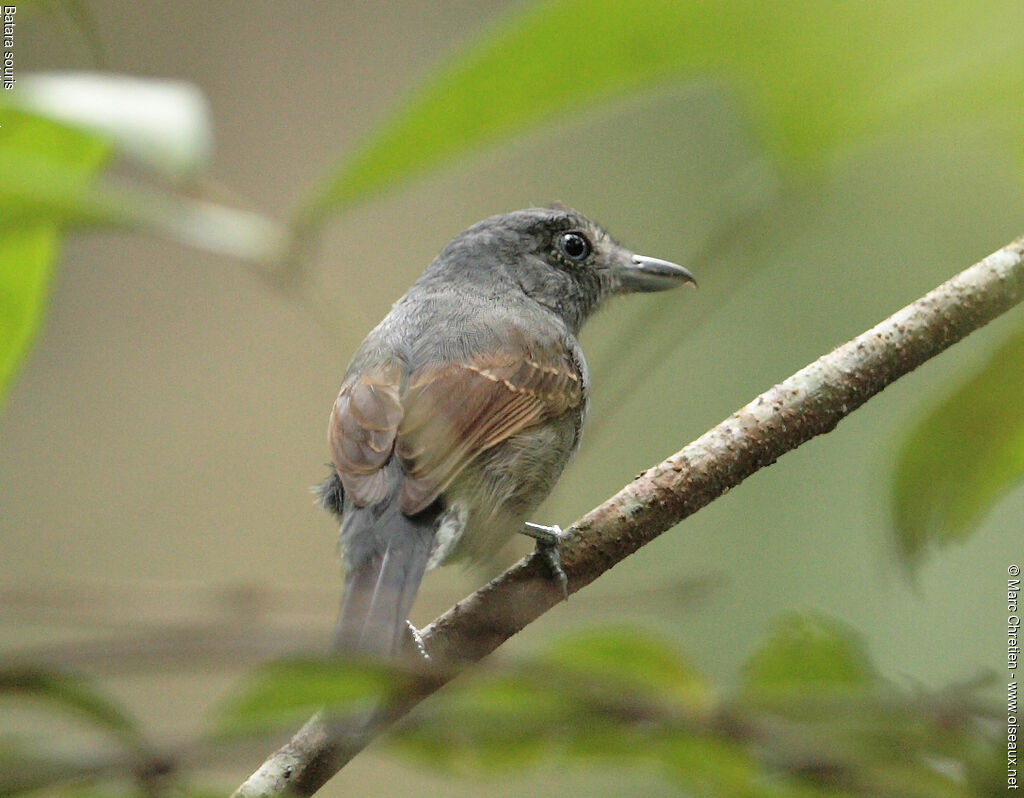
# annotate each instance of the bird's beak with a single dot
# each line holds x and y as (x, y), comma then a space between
(652, 274)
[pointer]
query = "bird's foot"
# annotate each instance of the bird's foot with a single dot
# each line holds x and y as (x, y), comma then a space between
(548, 538)
(415, 640)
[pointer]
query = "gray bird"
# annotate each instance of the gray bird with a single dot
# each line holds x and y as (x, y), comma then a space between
(459, 411)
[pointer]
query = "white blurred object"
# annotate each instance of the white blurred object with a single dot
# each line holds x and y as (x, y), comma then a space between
(164, 124)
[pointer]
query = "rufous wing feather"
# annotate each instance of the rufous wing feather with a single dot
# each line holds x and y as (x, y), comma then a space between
(456, 411)
(362, 431)
(446, 415)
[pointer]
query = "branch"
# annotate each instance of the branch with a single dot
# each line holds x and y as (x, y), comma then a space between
(811, 402)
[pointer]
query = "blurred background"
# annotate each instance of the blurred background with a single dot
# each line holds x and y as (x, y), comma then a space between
(158, 445)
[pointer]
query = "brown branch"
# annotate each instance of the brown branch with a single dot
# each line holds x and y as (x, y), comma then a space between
(811, 402)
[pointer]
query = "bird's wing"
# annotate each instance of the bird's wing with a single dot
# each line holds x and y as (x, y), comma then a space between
(455, 411)
(446, 415)
(362, 430)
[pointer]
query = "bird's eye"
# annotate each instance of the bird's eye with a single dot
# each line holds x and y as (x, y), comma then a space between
(575, 246)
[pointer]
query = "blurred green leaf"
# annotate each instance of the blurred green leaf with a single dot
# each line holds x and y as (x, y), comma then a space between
(79, 154)
(594, 695)
(706, 766)
(807, 655)
(48, 184)
(604, 736)
(496, 720)
(814, 76)
(65, 159)
(163, 124)
(48, 175)
(282, 692)
(73, 695)
(962, 456)
(810, 720)
(714, 767)
(628, 659)
(26, 258)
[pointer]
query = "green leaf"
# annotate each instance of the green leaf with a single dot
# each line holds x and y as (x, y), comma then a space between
(962, 456)
(283, 692)
(48, 184)
(48, 176)
(594, 695)
(814, 76)
(706, 766)
(80, 154)
(73, 695)
(807, 655)
(496, 723)
(26, 258)
(163, 124)
(63, 160)
(627, 660)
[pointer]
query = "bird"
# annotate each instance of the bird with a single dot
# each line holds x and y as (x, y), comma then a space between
(461, 408)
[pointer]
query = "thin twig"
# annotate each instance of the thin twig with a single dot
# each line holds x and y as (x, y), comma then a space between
(811, 402)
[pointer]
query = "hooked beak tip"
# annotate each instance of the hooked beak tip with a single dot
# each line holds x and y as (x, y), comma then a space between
(654, 274)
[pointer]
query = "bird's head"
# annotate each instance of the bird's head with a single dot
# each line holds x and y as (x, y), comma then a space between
(558, 257)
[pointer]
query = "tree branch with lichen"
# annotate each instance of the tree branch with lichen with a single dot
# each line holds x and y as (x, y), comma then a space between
(809, 403)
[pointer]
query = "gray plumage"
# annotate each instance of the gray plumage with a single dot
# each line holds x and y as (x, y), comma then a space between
(461, 408)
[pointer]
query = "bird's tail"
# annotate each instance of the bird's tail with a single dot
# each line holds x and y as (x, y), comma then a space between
(382, 582)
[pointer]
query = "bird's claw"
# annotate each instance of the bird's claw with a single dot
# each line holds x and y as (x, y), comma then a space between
(548, 538)
(416, 639)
